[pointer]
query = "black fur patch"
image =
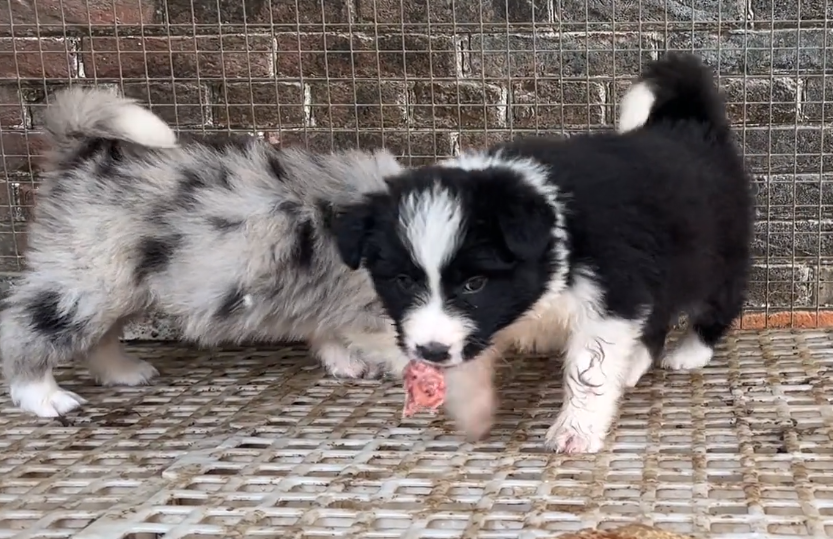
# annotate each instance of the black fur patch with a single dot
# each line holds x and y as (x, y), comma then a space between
(186, 195)
(223, 178)
(194, 181)
(224, 225)
(327, 212)
(276, 167)
(108, 165)
(89, 149)
(155, 254)
(318, 160)
(305, 244)
(46, 317)
(232, 302)
(288, 206)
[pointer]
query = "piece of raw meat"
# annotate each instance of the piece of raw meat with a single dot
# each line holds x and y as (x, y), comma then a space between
(424, 388)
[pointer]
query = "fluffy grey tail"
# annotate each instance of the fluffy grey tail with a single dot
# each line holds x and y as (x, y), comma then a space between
(678, 87)
(77, 115)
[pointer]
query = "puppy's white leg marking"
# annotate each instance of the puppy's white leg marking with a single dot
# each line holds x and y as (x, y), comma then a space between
(44, 397)
(640, 362)
(690, 353)
(339, 362)
(111, 366)
(595, 371)
(470, 395)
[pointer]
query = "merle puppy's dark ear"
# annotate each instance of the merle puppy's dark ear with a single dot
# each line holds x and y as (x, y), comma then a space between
(526, 222)
(352, 226)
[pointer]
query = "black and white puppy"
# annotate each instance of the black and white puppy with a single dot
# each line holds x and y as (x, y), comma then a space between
(603, 238)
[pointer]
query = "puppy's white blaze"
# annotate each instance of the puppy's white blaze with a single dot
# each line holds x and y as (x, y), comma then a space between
(432, 223)
(141, 126)
(636, 107)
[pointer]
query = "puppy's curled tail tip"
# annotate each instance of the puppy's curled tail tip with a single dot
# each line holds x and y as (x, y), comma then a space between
(78, 114)
(677, 87)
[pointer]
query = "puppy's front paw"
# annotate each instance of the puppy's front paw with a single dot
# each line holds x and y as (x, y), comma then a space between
(44, 398)
(476, 426)
(352, 370)
(373, 371)
(339, 362)
(474, 417)
(574, 435)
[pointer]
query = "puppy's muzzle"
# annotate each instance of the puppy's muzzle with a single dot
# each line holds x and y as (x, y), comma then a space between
(433, 352)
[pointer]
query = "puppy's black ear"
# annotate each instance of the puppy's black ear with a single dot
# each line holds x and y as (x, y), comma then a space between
(526, 222)
(352, 226)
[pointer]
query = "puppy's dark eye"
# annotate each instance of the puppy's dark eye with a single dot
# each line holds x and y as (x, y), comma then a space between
(474, 285)
(405, 282)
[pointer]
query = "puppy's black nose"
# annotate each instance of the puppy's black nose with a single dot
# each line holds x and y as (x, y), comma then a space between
(433, 351)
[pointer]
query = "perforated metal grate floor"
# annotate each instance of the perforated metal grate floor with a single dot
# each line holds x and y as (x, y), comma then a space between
(256, 443)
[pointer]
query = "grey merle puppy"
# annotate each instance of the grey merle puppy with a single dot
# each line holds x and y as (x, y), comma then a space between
(229, 237)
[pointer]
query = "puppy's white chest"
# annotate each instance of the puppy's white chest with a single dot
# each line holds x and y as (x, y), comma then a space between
(544, 329)
(547, 326)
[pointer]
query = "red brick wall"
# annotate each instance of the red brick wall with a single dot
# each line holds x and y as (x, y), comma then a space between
(426, 80)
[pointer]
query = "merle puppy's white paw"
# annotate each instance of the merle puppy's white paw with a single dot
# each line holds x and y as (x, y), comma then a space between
(44, 398)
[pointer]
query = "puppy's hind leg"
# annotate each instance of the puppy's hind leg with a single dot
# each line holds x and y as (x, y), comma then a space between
(44, 325)
(696, 349)
(110, 365)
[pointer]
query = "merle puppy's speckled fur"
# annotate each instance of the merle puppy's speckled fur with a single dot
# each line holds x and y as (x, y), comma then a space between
(230, 237)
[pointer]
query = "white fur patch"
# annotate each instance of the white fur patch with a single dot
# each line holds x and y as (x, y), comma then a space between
(547, 325)
(596, 367)
(123, 370)
(635, 108)
(432, 223)
(640, 364)
(339, 362)
(691, 353)
(379, 351)
(44, 398)
(141, 126)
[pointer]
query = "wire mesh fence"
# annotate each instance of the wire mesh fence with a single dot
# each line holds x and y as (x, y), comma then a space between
(430, 78)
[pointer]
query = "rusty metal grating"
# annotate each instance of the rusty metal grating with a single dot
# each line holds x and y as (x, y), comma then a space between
(256, 443)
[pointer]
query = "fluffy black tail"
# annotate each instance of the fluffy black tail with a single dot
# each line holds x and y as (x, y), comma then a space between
(678, 87)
